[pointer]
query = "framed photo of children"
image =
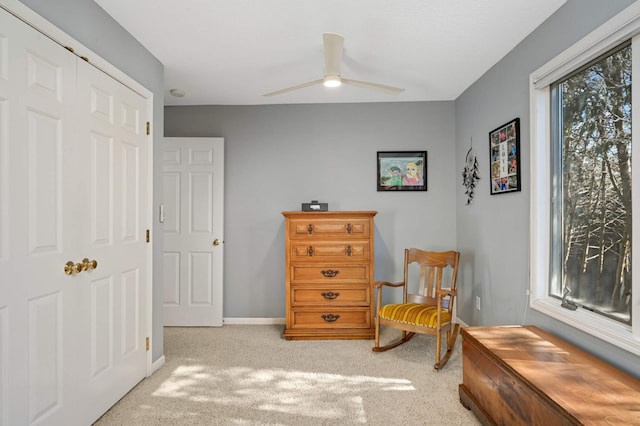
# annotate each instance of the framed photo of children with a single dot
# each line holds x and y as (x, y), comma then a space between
(504, 157)
(402, 170)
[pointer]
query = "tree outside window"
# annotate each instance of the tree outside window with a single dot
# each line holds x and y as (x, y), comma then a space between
(591, 186)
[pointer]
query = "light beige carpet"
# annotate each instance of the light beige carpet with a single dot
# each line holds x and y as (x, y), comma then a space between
(250, 375)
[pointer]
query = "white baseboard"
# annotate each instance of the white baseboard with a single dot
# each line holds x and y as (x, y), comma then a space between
(462, 323)
(253, 321)
(155, 366)
(279, 321)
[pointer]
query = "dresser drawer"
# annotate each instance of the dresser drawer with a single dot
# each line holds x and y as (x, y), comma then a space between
(330, 296)
(323, 228)
(339, 274)
(338, 251)
(331, 318)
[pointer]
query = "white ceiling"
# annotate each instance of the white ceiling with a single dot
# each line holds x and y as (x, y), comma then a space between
(231, 52)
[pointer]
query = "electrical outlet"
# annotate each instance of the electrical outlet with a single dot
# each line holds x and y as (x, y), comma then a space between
(478, 303)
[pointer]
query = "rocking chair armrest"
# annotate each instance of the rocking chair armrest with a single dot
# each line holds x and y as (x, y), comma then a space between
(446, 292)
(380, 284)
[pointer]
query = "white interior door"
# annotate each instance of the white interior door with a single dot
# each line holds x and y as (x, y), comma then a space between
(193, 231)
(70, 344)
(38, 203)
(113, 147)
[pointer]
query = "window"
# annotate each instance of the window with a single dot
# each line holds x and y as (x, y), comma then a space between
(591, 192)
(582, 203)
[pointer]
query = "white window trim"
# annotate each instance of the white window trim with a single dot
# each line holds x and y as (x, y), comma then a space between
(621, 27)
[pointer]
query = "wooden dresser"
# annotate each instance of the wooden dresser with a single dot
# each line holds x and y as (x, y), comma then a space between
(525, 376)
(329, 275)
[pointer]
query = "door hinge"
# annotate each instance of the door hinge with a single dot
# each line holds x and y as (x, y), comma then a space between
(148, 128)
(147, 343)
(148, 235)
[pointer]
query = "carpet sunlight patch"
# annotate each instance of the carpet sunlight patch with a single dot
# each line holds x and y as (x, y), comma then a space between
(328, 396)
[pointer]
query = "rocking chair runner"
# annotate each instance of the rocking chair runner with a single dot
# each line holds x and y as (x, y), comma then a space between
(430, 311)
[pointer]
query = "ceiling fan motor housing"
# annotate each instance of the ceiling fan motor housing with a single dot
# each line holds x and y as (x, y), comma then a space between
(332, 81)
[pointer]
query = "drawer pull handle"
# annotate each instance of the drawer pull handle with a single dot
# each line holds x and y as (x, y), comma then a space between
(330, 317)
(330, 295)
(330, 273)
(348, 228)
(310, 228)
(348, 250)
(310, 251)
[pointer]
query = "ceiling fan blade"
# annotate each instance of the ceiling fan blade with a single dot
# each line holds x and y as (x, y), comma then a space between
(292, 88)
(333, 47)
(373, 86)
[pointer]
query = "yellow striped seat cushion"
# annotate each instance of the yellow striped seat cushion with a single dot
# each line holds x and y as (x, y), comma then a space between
(414, 313)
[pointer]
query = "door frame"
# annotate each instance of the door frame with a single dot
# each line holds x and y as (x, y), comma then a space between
(24, 13)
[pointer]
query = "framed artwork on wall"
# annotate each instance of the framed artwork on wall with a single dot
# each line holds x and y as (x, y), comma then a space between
(504, 158)
(402, 171)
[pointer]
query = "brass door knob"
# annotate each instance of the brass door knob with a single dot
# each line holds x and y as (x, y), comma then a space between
(71, 268)
(216, 242)
(89, 264)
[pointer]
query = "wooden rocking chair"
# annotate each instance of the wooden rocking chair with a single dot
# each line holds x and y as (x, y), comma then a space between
(430, 311)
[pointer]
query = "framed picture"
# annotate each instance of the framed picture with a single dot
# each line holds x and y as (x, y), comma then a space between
(402, 170)
(504, 158)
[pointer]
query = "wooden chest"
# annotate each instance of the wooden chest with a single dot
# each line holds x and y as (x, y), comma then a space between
(329, 275)
(525, 376)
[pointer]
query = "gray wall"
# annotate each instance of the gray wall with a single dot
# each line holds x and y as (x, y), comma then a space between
(278, 156)
(493, 233)
(85, 21)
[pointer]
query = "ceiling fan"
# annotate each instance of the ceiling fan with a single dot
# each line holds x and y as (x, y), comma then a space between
(333, 46)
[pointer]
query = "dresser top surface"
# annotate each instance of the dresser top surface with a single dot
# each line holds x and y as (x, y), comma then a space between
(329, 213)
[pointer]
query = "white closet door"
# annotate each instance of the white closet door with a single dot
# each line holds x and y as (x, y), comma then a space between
(38, 205)
(113, 147)
(70, 188)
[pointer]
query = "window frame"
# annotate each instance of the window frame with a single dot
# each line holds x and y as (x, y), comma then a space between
(622, 27)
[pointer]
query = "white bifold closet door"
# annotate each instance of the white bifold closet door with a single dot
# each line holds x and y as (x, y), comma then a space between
(73, 186)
